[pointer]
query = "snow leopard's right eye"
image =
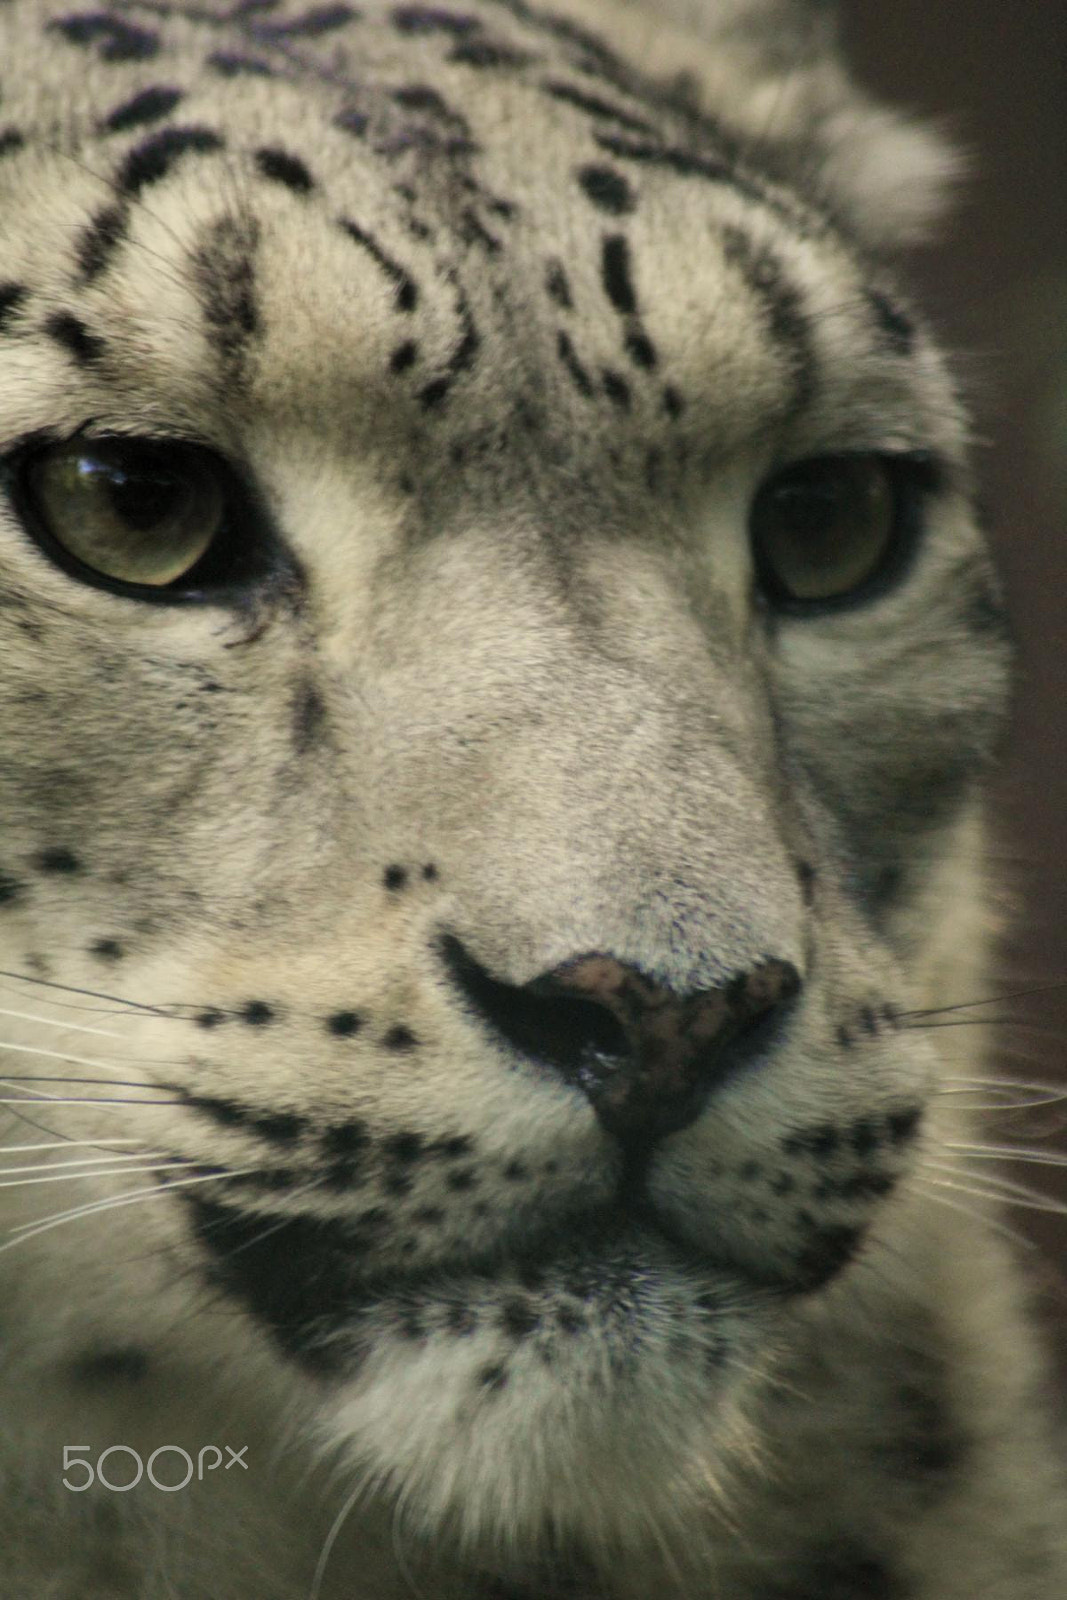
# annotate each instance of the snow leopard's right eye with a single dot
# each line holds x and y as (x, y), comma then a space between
(828, 531)
(153, 519)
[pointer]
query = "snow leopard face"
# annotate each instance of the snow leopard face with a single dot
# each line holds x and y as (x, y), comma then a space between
(497, 657)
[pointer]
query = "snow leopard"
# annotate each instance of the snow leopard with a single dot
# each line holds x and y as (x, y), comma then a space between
(493, 813)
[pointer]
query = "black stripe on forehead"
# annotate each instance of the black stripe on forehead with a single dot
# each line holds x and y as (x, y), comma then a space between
(312, 24)
(224, 269)
(99, 241)
(782, 306)
(617, 273)
(154, 159)
(715, 169)
(598, 109)
(404, 285)
(114, 40)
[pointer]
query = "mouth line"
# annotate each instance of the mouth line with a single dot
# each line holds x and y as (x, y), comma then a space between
(301, 1277)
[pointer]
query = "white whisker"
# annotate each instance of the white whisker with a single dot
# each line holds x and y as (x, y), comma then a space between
(39, 1099)
(64, 1144)
(61, 1055)
(87, 1161)
(994, 1195)
(52, 1022)
(29, 1230)
(933, 1188)
(1008, 1152)
(1037, 1094)
(111, 1172)
(994, 1182)
(91, 994)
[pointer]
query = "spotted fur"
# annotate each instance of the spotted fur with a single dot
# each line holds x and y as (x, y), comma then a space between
(481, 950)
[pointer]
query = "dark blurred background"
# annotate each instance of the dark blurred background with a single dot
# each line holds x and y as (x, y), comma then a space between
(994, 76)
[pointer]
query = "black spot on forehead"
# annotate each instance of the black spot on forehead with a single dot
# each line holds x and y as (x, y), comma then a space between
(400, 1039)
(229, 65)
(72, 334)
(395, 877)
(115, 40)
(11, 139)
(640, 349)
(353, 122)
(607, 189)
(280, 166)
(311, 25)
(154, 158)
(616, 388)
(404, 356)
(432, 19)
(149, 105)
(617, 273)
(421, 97)
(107, 949)
(673, 402)
(487, 54)
(99, 241)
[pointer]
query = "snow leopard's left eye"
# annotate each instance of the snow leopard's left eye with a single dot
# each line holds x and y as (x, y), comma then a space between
(134, 511)
(828, 530)
(152, 519)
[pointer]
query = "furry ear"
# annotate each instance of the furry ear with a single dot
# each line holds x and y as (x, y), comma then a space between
(772, 70)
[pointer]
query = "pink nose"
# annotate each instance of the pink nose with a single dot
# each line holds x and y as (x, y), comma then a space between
(678, 1046)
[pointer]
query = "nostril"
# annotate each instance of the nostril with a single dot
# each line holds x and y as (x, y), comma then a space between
(562, 1029)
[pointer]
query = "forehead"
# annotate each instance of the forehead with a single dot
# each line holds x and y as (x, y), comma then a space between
(373, 226)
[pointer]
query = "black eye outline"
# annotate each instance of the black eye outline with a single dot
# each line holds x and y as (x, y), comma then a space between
(913, 477)
(244, 554)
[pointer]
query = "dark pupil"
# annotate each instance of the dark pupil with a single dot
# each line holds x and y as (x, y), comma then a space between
(811, 506)
(142, 497)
